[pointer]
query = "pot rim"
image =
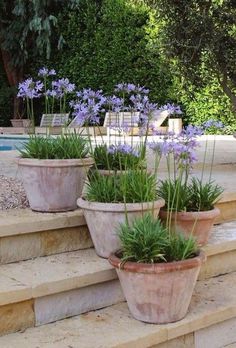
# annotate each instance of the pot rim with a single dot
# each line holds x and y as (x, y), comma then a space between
(73, 162)
(157, 268)
(190, 215)
(119, 207)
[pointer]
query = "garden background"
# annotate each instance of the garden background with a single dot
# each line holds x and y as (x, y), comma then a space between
(183, 51)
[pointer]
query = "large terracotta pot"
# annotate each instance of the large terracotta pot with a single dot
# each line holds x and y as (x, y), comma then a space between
(53, 185)
(197, 224)
(158, 293)
(103, 220)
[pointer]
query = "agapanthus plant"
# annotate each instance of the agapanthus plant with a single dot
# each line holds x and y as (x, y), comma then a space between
(118, 157)
(88, 107)
(30, 90)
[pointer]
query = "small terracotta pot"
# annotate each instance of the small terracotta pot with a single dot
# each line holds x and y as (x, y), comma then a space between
(17, 122)
(53, 185)
(26, 123)
(103, 220)
(158, 293)
(197, 224)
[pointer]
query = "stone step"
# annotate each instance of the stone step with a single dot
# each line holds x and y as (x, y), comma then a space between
(51, 288)
(220, 251)
(210, 323)
(227, 206)
(25, 234)
(46, 289)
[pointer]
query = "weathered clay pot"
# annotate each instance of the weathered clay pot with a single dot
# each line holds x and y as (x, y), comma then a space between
(53, 185)
(17, 122)
(197, 224)
(26, 123)
(158, 293)
(103, 219)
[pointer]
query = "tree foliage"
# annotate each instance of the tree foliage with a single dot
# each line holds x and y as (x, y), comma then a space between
(201, 34)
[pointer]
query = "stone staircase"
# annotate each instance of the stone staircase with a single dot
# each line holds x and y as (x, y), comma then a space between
(49, 271)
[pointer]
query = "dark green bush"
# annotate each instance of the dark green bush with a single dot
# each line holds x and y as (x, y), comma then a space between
(108, 42)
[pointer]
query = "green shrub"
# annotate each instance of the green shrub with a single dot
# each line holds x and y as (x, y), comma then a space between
(108, 42)
(146, 240)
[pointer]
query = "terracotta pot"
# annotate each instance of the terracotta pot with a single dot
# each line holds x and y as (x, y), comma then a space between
(103, 219)
(158, 293)
(26, 123)
(17, 123)
(53, 185)
(197, 224)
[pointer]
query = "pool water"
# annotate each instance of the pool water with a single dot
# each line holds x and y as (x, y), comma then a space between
(11, 143)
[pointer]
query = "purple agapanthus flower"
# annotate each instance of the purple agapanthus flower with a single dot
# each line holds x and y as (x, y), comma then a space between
(115, 104)
(125, 149)
(173, 109)
(213, 124)
(30, 89)
(130, 88)
(62, 87)
(45, 72)
(88, 106)
(191, 131)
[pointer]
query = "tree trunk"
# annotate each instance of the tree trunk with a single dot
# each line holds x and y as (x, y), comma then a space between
(14, 76)
(228, 91)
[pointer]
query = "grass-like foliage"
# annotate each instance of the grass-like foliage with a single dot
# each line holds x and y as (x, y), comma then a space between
(118, 160)
(71, 146)
(176, 194)
(133, 186)
(203, 195)
(147, 241)
(195, 196)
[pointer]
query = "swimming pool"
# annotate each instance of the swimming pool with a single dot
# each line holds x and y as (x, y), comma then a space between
(8, 143)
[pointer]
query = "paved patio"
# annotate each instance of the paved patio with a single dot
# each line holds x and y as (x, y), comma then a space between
(224, 170)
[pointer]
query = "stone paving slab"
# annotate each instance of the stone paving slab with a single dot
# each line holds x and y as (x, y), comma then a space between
(214, 301)
(17, 221)
(53, 274)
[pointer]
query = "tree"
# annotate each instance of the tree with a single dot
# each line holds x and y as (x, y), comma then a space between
(201, 35)
(27, 29)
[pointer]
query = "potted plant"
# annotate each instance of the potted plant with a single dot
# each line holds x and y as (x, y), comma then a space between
(53, 171)
(117, 158)
(157, 270)
(189, 207)
(111, 200)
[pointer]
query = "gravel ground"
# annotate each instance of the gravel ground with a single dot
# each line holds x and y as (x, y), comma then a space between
(12, 194)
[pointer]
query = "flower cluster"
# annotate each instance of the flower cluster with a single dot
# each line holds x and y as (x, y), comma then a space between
(125, 149)
(45, 72)
(131, 88)
(88, 107)
(182, 147)
(30, 89)
(61, 87)
(172, 109)
(212, 124)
